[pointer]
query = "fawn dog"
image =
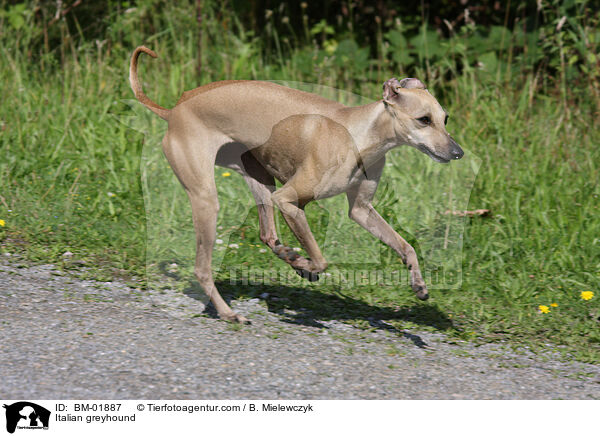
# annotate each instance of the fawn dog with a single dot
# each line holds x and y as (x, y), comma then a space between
(316, 148)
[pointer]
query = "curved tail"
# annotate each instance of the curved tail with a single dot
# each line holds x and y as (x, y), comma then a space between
(137, 87)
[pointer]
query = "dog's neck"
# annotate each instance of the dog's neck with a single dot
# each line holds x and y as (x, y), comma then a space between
(372, 127)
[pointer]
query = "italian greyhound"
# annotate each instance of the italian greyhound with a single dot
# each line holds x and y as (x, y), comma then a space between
(316, 148)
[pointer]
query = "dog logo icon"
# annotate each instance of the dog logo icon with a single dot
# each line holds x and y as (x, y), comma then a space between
(26, 415)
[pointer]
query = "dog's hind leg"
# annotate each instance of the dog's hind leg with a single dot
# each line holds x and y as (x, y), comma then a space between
(262, 186)
(194, 168)
(205, 207)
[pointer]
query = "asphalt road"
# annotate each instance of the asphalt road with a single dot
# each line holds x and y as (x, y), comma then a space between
(65, 338)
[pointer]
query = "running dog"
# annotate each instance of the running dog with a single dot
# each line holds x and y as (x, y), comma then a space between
(316, 148)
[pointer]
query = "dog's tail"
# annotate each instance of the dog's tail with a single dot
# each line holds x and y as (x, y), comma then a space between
(137, 87)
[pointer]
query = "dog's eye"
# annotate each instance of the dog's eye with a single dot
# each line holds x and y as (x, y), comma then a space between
(446, 120)
(424, 120)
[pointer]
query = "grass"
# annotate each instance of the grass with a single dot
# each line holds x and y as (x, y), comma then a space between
(78, 160)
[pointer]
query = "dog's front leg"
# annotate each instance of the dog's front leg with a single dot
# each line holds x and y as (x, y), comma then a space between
(362, 211)
(286, 200)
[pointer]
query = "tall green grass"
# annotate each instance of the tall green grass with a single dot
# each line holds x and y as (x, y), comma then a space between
(70, 173)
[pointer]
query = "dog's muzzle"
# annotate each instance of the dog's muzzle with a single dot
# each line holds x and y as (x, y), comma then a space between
(452, 151)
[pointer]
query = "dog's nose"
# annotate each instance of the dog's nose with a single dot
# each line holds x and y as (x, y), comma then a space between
(455, 151)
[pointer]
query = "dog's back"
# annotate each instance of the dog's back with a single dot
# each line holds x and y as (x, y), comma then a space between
(247, 110)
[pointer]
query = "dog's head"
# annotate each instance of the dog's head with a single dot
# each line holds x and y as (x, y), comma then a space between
(419, 120)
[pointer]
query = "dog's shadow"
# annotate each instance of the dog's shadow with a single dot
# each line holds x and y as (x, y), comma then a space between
(314, 308)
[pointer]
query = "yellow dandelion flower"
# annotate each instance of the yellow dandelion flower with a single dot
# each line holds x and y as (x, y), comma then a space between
(2, 223)
(587, 295)
(227, 174)
(544, 309)
(554, 304)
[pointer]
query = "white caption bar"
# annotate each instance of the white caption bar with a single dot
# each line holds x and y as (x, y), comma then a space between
(23, 417)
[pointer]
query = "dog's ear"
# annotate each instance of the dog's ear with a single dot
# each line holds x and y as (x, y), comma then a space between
(391, 90)
(412, 83)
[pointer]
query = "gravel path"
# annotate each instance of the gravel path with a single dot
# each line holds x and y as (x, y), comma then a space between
(62, 337)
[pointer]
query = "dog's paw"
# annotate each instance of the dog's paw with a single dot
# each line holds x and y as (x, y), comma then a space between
(421, 292)
(286, 253)
(418, 286)
(310, 276)
(235, 318)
